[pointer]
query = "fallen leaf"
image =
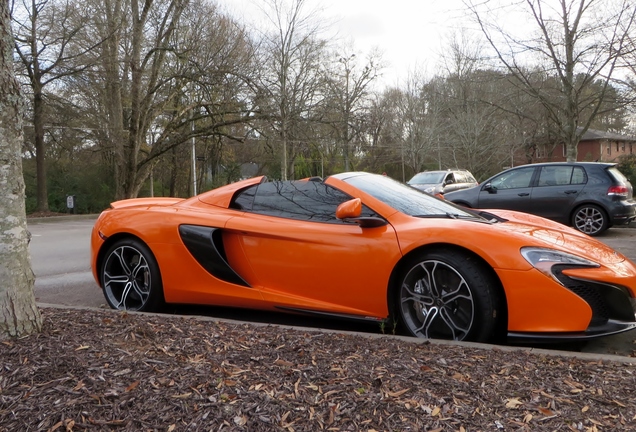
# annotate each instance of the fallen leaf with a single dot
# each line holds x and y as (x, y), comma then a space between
(280, 362)
(132, 386)
(397, 393)
(513, 403)
(55, 426)
(545, 411)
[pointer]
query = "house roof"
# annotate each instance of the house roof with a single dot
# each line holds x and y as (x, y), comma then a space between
(597, 135)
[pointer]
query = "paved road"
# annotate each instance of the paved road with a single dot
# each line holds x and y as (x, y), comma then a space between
(60, 257)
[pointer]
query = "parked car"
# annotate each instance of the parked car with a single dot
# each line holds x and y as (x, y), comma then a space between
(365, 247)
(440, 182)
(589, 196)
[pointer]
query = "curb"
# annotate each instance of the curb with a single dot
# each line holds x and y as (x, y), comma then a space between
(474, 345)
(54, 219)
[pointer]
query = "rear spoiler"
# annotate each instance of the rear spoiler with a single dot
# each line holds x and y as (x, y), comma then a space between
(136, 202)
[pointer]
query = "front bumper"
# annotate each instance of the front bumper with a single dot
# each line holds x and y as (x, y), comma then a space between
(575, 303)
(611, 327)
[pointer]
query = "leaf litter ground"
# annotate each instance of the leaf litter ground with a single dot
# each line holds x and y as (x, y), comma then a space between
(104, 370)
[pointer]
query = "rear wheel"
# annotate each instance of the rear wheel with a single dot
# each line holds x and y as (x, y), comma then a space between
(130, 277)
(448, 295)
(590, 219)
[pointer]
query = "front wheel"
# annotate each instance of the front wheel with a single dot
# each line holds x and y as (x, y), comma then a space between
(130, 277)
(590, 219)
(448, 295)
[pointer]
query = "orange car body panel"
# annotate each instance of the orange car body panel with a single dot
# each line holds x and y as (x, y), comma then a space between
(278, 257)
(351, 283)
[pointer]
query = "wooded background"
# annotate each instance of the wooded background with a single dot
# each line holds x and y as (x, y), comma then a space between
(120, 92)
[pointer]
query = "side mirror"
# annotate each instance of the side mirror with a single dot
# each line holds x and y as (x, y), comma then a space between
(490, 188)
(350, 211)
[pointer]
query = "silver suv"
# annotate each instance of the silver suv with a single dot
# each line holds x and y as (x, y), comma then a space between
(440, 182)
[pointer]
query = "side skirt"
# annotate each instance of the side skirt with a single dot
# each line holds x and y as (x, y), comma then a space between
(323, 314)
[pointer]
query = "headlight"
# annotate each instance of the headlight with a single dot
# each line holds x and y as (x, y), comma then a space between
(544, 259)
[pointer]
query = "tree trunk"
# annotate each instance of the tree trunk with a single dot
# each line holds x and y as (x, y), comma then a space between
(19, 315)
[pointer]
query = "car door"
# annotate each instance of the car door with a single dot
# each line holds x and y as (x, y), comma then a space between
(302, 257)
(556, 189)
(509, 190)
(452, 182)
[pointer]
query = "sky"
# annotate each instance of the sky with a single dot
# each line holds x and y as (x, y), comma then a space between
(410, 33)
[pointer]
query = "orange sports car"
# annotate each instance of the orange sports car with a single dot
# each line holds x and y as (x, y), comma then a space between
(364, 246)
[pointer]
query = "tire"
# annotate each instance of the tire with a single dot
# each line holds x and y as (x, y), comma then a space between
(130, 277)
(448, 295)
(590, 219)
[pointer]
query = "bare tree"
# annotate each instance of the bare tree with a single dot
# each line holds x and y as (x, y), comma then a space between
(419, 122)
(168, 71)
(291, 83)
(44, 32)
(578, 42)
(349, 88)
(19, 315)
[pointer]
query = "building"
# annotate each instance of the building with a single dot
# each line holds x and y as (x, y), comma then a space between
(595, 146)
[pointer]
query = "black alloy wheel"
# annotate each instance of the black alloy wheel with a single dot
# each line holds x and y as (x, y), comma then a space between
(448, 295)
(130, 277)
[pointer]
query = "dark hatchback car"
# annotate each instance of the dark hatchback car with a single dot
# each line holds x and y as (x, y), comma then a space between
(589, 196)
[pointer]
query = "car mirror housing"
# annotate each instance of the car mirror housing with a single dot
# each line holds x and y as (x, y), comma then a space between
(490, 188)
(350, 211)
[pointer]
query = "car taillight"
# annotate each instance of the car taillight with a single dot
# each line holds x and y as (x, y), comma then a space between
(617, 190)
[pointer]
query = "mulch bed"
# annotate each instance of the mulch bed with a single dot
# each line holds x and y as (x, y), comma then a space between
(104, 370)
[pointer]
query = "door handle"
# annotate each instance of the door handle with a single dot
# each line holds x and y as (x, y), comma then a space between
(523, 194)
(568, 192)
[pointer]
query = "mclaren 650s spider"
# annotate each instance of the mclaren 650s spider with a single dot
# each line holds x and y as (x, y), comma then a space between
(364, 246)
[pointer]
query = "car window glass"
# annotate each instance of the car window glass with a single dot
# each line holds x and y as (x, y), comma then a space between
(303, 200)
(554, 175)
(514, 179)
(245, 199)
(427, 177)
(578, 176)
(560, 175)
(404, 198)
(617, 175)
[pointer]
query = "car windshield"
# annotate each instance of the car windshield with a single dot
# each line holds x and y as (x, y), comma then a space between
(428, 177)
(406, 199)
